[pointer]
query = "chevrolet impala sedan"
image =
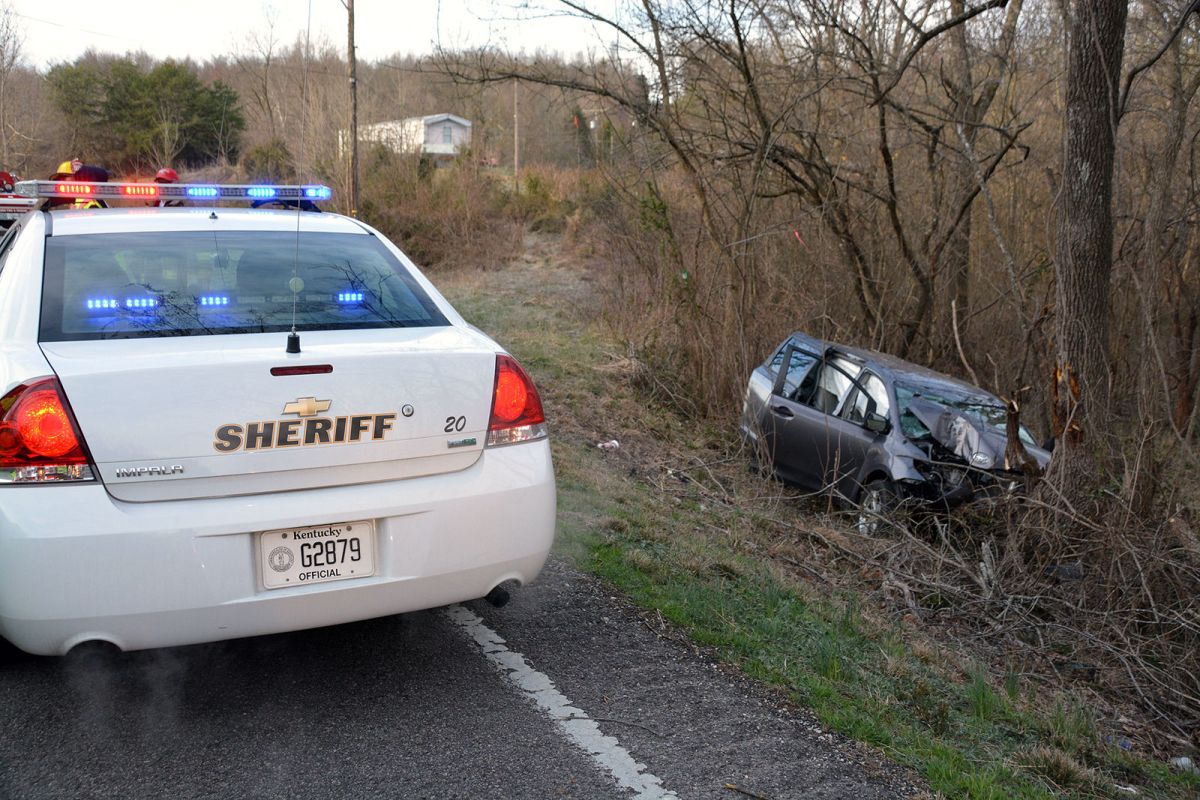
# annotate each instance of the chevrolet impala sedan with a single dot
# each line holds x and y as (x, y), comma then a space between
(222, 422)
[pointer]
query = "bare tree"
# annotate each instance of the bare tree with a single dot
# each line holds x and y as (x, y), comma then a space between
(969, 97)
(167, 141)
(257, 62)
(803, 104)
(10, 56)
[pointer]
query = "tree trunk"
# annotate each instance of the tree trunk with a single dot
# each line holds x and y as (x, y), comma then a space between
(1083, 263)
(965, 115)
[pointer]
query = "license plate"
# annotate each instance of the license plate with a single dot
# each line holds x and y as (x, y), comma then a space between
(317, 554)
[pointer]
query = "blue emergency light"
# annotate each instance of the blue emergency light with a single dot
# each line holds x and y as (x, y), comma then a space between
(144, 303)
(82, 190)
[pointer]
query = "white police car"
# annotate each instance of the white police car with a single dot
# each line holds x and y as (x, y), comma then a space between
(176, 466)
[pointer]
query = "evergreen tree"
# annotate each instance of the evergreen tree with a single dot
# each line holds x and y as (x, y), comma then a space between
(131, 118)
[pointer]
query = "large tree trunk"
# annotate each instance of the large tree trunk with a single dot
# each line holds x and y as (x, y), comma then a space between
(1083, 263)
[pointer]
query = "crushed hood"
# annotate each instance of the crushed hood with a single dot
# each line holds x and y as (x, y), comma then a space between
(966, 438)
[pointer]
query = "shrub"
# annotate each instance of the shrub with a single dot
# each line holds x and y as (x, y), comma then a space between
(270, 162)
(443, 218)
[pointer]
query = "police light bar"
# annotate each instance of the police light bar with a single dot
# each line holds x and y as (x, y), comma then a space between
(75, 190)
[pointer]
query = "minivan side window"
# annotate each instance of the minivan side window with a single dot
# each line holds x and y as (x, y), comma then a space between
(800, 364)
(855, 409)
(833, 382)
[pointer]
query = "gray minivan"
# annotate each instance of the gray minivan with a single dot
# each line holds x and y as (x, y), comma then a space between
(878, 431)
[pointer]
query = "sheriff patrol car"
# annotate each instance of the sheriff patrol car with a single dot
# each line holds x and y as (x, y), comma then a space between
(221, 422)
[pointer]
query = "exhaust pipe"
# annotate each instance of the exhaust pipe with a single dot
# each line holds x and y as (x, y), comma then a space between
(94, 652)
(498, 596)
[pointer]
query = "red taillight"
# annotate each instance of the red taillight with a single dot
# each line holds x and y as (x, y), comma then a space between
(43, 426)
(39, 440)
(516, 408)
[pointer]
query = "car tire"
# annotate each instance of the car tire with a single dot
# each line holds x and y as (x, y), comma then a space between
(877, 503)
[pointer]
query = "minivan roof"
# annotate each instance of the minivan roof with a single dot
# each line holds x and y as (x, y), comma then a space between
(897, 368)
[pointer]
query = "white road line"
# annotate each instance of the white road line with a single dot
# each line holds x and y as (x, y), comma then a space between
(573, 721)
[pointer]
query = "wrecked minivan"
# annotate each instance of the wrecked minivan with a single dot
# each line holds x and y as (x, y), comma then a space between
(880, 432)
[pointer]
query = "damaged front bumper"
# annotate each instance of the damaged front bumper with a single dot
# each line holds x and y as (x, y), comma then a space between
(945, 487)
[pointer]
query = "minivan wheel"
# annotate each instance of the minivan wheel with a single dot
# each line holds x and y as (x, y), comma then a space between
(876, 503)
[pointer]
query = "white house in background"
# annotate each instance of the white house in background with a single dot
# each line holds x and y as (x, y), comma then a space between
(436, 135)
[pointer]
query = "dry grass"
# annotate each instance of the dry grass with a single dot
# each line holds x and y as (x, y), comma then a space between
(1057, 767)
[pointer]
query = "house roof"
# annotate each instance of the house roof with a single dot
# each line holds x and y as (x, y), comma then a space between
(430, 119)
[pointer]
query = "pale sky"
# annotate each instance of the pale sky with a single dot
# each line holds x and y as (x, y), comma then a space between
(60, 30)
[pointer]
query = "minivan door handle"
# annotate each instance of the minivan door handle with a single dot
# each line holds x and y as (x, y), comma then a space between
(782, 411)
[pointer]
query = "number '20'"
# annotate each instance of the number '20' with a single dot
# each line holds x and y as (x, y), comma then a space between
(455, 424)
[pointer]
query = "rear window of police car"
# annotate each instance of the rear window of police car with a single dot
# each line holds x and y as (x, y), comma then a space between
(127, 285)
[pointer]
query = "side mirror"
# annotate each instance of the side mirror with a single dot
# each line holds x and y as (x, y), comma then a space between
(876, 423)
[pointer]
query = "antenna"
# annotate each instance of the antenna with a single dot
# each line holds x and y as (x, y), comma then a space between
(296, 284)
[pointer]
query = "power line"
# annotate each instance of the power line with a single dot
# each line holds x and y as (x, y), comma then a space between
(73, 28)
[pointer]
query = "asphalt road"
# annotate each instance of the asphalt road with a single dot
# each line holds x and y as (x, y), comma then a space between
(413, 706)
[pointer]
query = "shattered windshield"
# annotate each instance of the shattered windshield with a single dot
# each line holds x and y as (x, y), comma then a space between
(978, 407)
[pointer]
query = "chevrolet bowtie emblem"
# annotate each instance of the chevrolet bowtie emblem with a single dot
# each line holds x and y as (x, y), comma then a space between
(306, 406)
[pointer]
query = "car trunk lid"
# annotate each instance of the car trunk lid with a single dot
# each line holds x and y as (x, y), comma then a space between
(171, 418)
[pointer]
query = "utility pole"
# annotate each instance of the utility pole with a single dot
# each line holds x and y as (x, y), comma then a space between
(516, 137)
(349, 4)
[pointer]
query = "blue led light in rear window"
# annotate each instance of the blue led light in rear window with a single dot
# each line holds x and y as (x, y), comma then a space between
(350, 297)
(214, 300)
(318, 192)
(96, 303)
(141, 302)
(203, 191)
(261, 192)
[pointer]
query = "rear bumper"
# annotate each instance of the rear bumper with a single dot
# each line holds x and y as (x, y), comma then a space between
(76, 565)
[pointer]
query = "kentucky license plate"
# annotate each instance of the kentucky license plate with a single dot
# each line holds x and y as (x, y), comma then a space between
(300, 556)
